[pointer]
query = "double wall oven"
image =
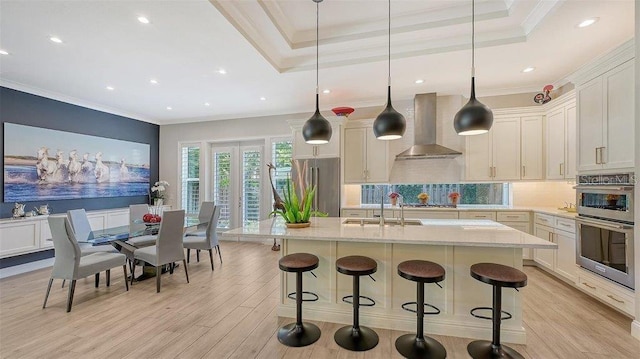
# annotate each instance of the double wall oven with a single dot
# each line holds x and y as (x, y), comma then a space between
(605, 226)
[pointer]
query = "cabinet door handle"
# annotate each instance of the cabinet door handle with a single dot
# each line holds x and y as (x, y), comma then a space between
(614, 298)
(524, 171)
(597, 160)
(561, 169)
(588, 286)
(602, 155)
(490, 172)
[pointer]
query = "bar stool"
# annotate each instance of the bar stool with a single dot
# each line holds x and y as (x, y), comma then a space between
(356, 338)
(498, 276)
(299, 334)
(420, 346)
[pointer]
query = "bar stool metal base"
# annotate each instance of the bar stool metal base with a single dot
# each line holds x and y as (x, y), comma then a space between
(298, 335)
(483, 349)
(413, 348)
(357, 340)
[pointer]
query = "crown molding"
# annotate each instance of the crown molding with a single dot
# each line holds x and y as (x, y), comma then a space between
(72, 100)
(604, 63)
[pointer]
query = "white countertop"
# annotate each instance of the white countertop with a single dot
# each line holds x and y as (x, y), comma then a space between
(493, 208)
(444, 232)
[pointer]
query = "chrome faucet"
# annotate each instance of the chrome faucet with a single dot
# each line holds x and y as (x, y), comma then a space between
(382, 209)
(401, 209)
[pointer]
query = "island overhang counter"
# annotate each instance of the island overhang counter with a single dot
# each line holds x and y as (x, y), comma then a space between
(454, 244)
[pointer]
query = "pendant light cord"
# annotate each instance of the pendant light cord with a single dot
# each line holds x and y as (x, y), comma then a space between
(473, 38)
(389, 47)
(317, 50)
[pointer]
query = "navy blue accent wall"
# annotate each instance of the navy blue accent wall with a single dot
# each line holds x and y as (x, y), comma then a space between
(31, 110)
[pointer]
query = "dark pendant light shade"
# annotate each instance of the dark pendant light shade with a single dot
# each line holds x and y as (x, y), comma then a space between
(474, 118)
(390, 124)
(317, 130)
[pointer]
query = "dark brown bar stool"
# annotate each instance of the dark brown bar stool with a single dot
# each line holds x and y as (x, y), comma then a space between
(354, 337)
(498, 276)
(299, 334)
(419, 346)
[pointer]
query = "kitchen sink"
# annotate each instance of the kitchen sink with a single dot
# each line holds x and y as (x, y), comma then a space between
(376, 221)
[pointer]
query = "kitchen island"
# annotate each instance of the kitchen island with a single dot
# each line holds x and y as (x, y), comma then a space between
(454, 244)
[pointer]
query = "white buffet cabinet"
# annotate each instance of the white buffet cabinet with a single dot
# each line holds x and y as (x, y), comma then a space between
(30, 234)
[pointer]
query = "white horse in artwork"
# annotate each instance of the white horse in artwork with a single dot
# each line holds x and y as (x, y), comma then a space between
(87, 166)
(74, 167)
(124, 171)
(44, 168)
(101, 170)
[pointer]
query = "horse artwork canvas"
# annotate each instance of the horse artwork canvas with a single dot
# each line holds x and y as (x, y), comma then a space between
(43, 164)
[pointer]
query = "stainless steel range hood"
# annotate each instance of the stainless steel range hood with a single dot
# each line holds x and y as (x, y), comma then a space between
(424, 144)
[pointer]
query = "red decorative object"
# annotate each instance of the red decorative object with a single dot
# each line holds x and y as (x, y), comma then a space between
(342, 111)
(147, 218)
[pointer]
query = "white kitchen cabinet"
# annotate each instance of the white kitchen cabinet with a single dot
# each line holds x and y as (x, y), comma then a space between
(478, 215)
(544, 257)
(365, 157)
(532, 148)
(302, 150)
(561, 231)
(561, 142)
(429, 214)
(495, 155)
(566, 254)
(19, 237)
(353, 213)
(606, 120)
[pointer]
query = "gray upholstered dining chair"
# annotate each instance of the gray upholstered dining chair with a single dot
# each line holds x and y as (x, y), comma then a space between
(204, 216)
(136, 212)
(168, 248)
(69, 262)
(207, 242)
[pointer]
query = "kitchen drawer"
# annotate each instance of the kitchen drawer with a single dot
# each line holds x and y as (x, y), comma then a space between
(478, 215)
(360, 213)
(610, 293)
(513, 216)
(568, 225)
(544, 219)
(429, 214)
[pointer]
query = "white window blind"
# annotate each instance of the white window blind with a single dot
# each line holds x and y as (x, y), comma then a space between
(282, 152)
(251, 166)
(222, 186)
(190, 179)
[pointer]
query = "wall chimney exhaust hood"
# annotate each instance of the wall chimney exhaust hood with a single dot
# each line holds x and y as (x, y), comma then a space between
(424, 144)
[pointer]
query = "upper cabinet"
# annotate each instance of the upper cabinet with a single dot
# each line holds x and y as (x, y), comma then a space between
(365, 157)
(561, 140)
(302, 150)
(511, 150)
(606, 120)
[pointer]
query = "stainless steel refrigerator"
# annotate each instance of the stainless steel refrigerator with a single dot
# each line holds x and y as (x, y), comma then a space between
(325, 174)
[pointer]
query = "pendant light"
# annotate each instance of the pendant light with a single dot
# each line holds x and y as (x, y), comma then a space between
(317, 130)
(390, 124)
(474, 118)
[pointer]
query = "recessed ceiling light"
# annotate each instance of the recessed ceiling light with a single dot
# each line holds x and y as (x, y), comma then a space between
(263, 99)
(326, 91)
(153, 81)
(55, 39)
(588, 22)
(529, 69)
(143, 19)
(419, 81)
(169, 108)
(110, 88)
(3, 52)
(222, 71)
(207, 104)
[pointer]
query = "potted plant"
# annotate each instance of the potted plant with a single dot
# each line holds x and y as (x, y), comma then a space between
(393, 196)
(423, 197)
(454, 196)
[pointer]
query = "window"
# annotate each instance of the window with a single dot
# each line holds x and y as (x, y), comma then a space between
(251, 167)
(470, 193)
(281, 153)
(190, 179)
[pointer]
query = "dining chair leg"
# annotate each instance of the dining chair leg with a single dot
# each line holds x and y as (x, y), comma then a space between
(126, 282)
(186, 272)
(108, 277)
(219, 253)
(198, 255)
(72, 289)
(211, 257)
(188, 254)
(171, 265)
(63, 281)
(97, 279)
(47, 295)
(133, 273)
(158, 275)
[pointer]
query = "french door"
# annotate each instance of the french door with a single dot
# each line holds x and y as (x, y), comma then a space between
(237, 178)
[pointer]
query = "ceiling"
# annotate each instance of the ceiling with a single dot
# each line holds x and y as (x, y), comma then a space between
(267, 48)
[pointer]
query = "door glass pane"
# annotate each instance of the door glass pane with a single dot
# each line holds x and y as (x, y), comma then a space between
(282, 154)
(250, 187)
(222, 186)
(190, 179)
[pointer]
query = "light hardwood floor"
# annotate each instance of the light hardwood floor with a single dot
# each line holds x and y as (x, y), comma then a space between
(231, 313)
